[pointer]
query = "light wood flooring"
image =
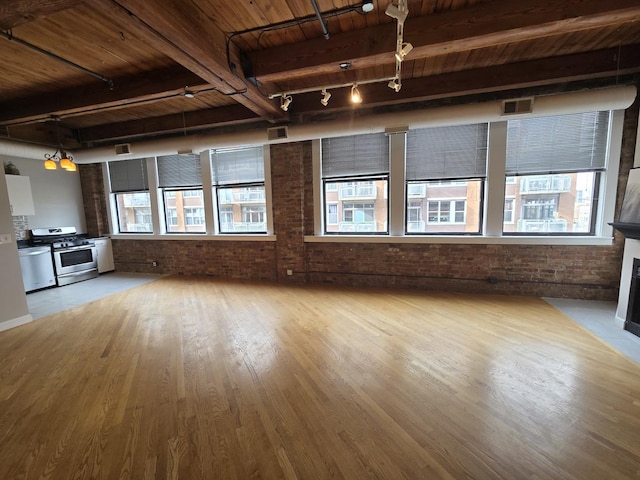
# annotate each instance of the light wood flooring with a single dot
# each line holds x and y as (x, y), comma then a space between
(199, 378)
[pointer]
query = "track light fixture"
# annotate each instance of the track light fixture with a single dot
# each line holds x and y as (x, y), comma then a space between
(355, 94)
(395, 84)
(325, 97)
(398, 12)
(403, 51)
(285, 101)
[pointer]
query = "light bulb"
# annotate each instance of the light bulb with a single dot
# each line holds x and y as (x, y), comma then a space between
(355, 95)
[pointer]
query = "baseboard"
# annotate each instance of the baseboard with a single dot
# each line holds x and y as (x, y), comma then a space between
(16, 322)
(619, 322)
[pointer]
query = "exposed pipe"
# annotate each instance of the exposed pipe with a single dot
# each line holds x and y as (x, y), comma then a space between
(325, 32)
(9, 36)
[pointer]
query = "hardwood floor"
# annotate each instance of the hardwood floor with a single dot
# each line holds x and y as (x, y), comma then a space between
(198, 378)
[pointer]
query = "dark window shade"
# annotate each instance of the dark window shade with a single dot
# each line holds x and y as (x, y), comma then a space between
(128, 175)
(561, 143)
(447, 152)
(355, 155)
(244, 165)
(179, 171)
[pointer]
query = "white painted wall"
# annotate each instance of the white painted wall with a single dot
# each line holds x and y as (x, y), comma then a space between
(13, 301)
(57, 194)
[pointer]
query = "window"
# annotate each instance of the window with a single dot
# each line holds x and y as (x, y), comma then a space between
(130, 186)
(355, 173)
(508, 210)
(555, 163)
(446, 166)
(239, 183)
(414, 216)
(180, 179)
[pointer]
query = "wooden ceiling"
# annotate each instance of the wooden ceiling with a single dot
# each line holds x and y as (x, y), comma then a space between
(101, 72)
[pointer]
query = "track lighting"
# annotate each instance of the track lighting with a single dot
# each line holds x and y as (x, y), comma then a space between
(395, 84)
(325, 97)
(285, 101)
(404, 51)
(355, 94)
(399, 12)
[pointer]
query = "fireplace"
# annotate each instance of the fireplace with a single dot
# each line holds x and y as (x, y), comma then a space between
(632, 321)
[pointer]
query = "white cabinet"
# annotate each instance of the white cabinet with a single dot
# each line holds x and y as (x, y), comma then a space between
(105, 255)
(20, 196)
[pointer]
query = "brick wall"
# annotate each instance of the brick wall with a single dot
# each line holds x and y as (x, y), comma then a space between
(588, 272)
(95, 206)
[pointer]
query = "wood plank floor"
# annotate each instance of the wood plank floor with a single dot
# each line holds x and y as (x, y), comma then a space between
(198, 378)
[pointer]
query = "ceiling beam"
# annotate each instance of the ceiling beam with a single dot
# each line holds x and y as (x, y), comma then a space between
(193, 40)
(46, 133)
(17, 12)
(483, 25)
(582, 66)
(97, 97)
(166, 124)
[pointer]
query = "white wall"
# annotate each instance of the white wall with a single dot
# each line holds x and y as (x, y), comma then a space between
(57, 194)
(13, 301)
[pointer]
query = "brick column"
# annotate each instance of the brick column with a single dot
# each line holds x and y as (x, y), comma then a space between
(95, 207)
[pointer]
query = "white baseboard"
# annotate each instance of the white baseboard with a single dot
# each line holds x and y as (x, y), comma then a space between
(16, 322)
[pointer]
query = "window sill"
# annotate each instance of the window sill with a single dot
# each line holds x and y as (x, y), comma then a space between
(461, 239)
(198, 237)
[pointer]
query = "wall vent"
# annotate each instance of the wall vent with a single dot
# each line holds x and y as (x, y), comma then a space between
(514, 107)
(277, 133)
(123, 149)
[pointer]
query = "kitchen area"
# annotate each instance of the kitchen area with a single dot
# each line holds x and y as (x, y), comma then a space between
(42, 226)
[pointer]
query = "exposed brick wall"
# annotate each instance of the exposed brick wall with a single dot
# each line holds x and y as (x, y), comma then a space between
(242, 260)
(95, 207)
(589, 272)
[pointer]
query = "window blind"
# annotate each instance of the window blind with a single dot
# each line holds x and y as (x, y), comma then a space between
(128, 175)
(447, 152)
(179, 171)
(366, 154)
(245, 165)
(561, 143)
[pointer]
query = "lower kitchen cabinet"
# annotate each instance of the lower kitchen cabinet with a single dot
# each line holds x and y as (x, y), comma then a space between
(105, 255)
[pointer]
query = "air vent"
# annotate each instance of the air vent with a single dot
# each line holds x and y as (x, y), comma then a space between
(514, 107)
(277, 133)
(123, 149)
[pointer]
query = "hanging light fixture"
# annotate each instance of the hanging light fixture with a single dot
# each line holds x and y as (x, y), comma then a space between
(355, 94)
(285, 101)
(325, 97)
(59, 157)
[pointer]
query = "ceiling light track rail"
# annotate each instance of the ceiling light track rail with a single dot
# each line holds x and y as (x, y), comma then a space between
(9, 36)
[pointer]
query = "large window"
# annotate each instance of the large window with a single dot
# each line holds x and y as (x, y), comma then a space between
(180, 179)
(355, 176)
(239, 183)
(554, 165)
(445, 172)
(130, 186)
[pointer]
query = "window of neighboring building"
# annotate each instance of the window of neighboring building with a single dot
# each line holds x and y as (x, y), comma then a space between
(239, 183)
(355, 176)
(555, 163)
(130, 186)
(180, 180)
(445, 172)
(508, 210)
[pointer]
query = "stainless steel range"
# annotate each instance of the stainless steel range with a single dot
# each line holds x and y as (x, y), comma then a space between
(74, 255)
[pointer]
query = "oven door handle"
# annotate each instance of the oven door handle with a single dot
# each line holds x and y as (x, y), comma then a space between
(71, 249)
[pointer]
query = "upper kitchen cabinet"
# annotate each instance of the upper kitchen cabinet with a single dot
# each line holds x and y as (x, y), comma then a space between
(20, 197)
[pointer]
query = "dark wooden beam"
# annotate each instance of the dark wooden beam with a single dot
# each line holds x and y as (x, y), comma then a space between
(176, 123)
(17, 12)
(583, 66)
(193, 40)
(45, 133)
(483, 25)
(134, 90)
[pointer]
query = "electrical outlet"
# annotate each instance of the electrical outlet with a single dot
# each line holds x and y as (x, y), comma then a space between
(5, 238)
(154, 264)
(289, 272)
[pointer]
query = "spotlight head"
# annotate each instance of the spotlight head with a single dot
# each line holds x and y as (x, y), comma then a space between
(395, 12)
(355, 94)
(404, 51)
(395, 84)
(285, 101)
(325, 97)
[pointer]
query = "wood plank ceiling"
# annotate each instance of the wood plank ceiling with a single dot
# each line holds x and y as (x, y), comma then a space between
(147, 55)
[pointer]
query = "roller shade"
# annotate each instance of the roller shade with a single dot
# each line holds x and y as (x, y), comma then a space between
(128, 175)
(447, 152)
(179, 171)
(561, 143)
(245, 165)
(355, 155)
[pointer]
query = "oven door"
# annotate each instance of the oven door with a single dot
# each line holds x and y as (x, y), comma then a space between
(75, 259)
